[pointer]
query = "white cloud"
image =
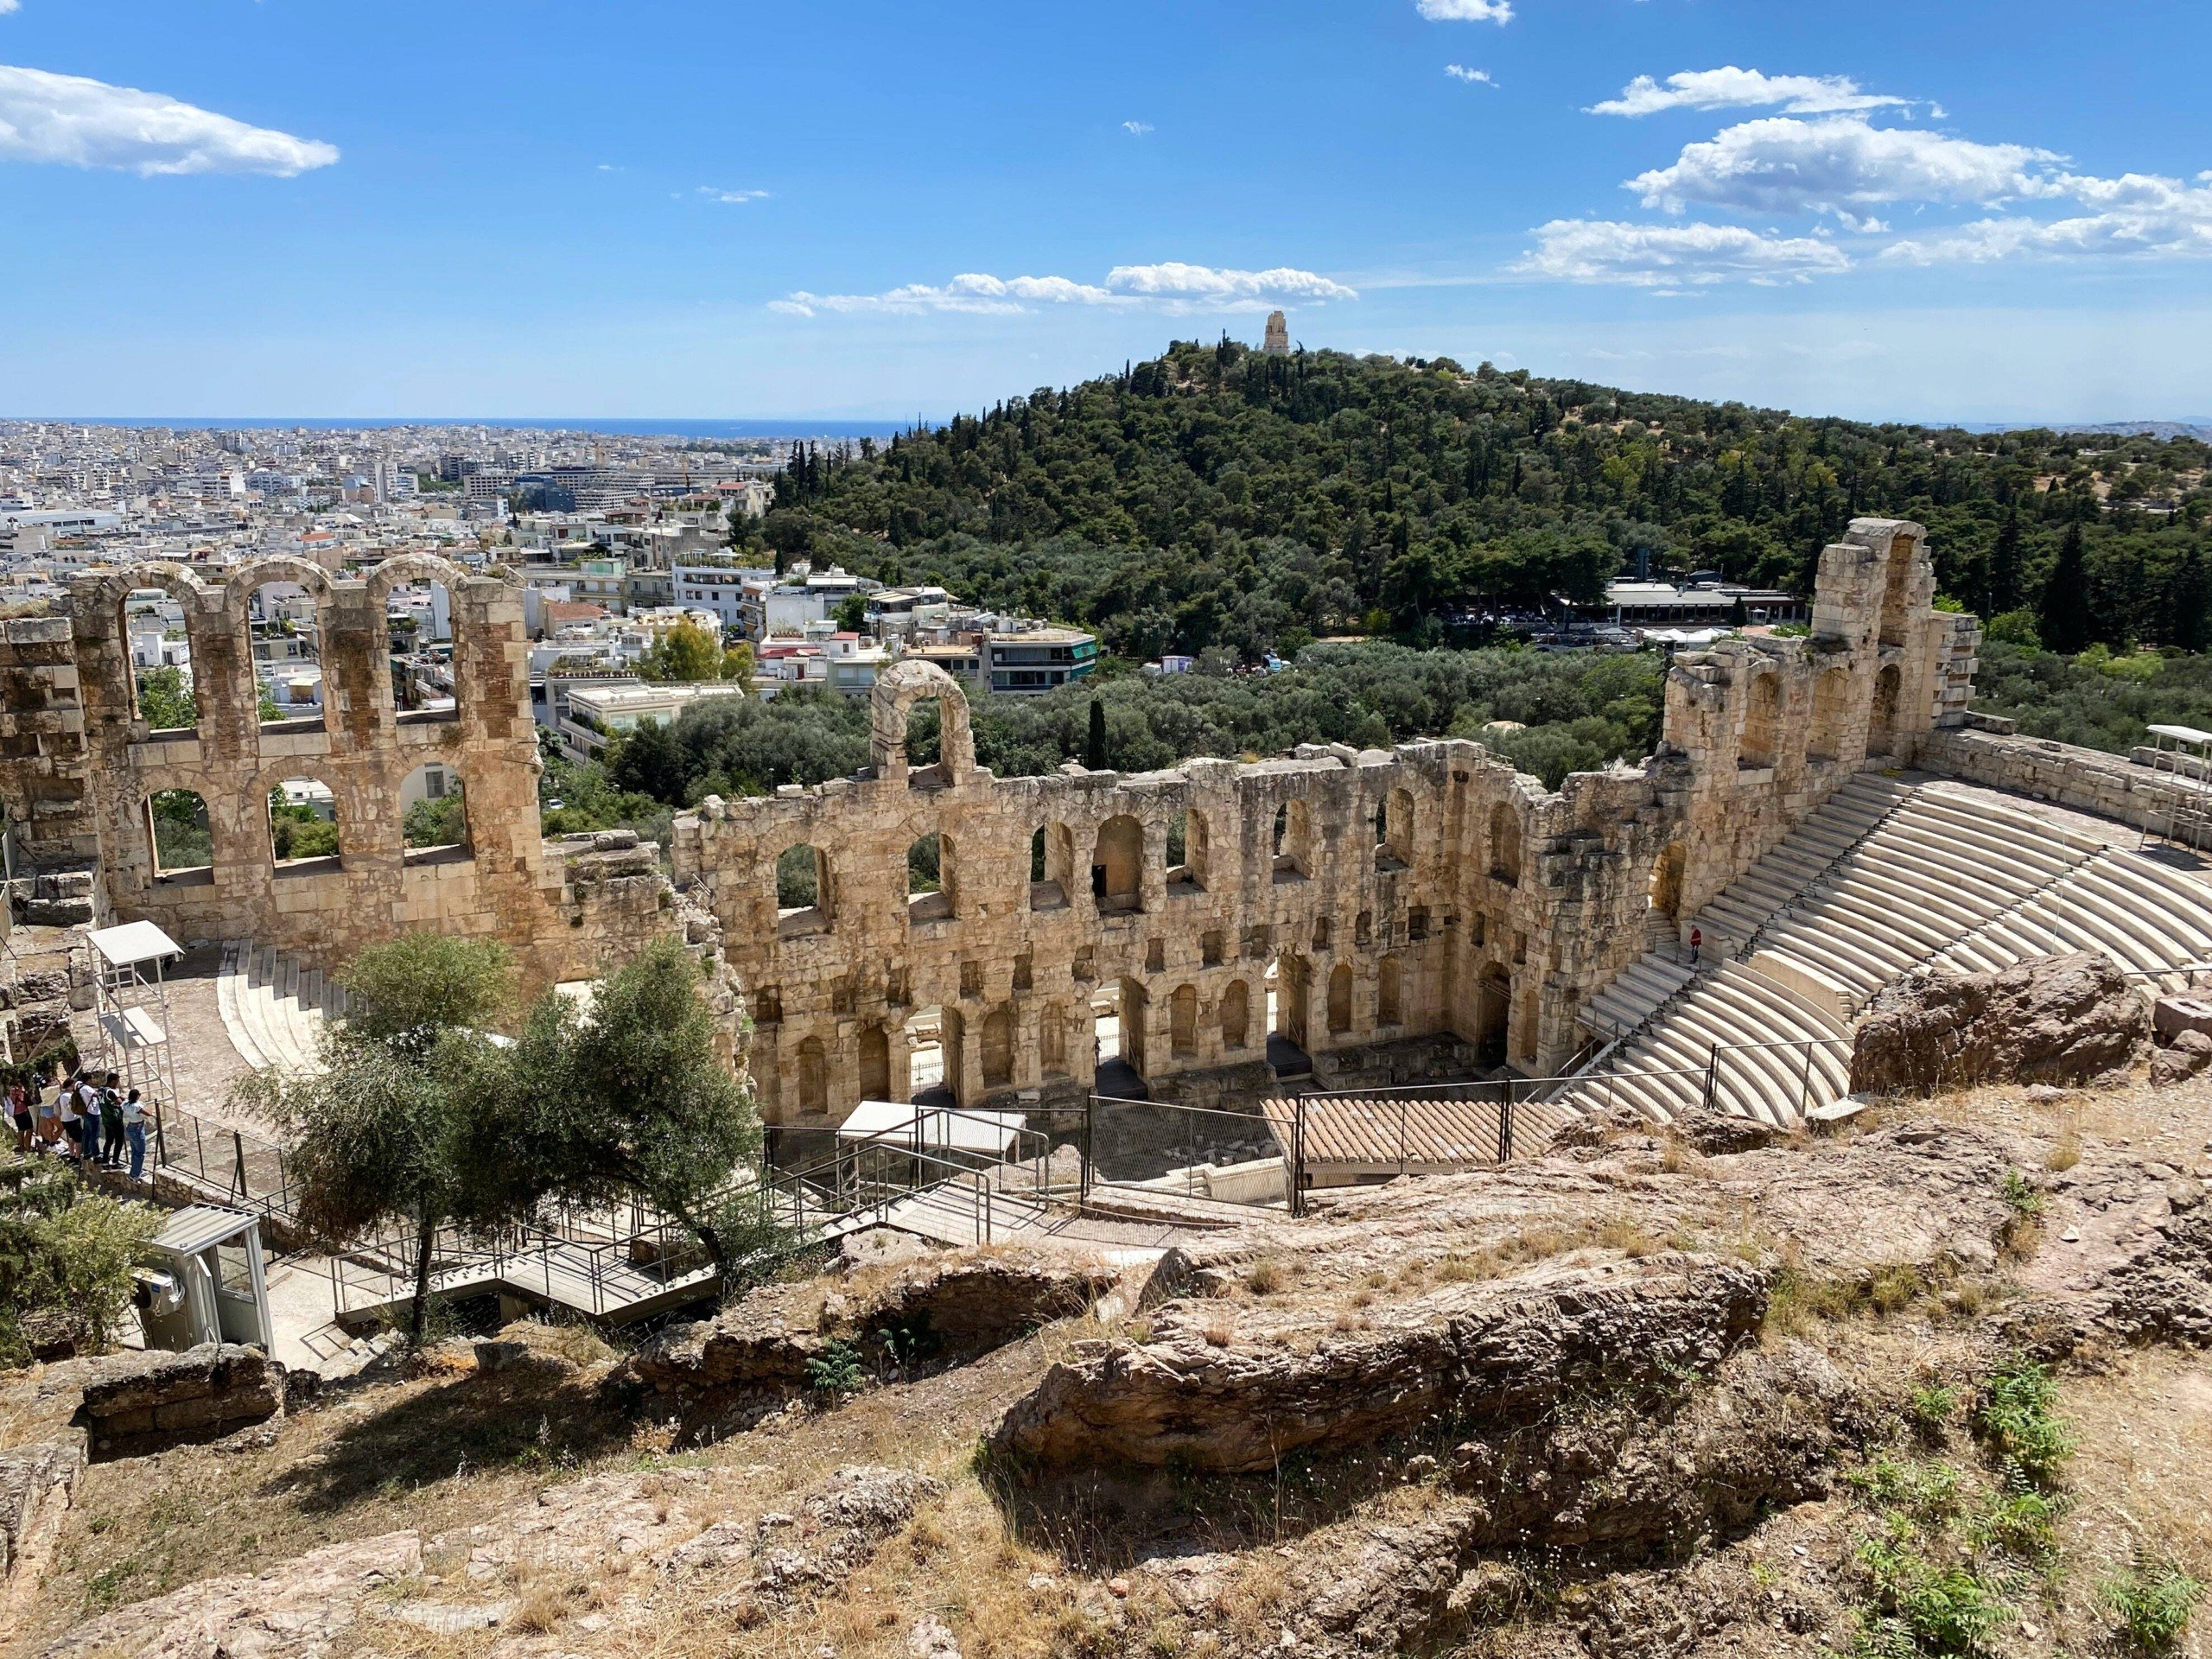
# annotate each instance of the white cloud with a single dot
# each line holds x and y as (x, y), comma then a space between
(1731, 88)
(1136, 129)
(2141, 215)
(1466, 11)
(1172, 286)
(734, 198)
(1782, 165)
(1475, 77)
(7, 6)
(1205, 284)
(81, 122)
(1675, 255)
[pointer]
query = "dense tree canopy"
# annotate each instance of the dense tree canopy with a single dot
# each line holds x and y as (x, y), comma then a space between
(1219, 498)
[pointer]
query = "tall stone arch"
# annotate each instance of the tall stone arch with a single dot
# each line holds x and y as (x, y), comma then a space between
(898, 689)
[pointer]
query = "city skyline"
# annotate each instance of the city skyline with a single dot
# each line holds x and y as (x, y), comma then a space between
(1971, 212)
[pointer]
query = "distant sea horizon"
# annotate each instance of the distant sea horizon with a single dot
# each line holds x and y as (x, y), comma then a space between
(796, 427)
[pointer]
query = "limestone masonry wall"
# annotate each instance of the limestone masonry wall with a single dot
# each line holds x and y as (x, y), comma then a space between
(2088, 781)
(79, 766)
(1426, 892)
(1378, 912)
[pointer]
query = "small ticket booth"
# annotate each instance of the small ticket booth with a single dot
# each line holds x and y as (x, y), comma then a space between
(205, 1281)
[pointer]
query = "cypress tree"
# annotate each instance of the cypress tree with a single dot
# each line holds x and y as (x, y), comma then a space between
(2005, 566)
(2062, 611)
(1094, 747)
(2187, 605)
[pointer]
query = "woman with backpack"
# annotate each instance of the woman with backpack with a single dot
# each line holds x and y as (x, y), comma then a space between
(111, 1124)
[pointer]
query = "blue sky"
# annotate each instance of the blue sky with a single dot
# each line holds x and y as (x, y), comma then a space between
(1946, 209)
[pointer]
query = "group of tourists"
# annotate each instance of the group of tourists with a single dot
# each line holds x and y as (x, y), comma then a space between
(87, 1120)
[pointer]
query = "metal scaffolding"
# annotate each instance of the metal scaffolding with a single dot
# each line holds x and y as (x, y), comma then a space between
(131, 1006)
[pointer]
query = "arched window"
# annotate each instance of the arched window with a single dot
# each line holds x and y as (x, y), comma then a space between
(1235, 1015)
(1293, 842)
(1394, 831)
(1831, 706)
(998, 1049)
(1762, 723)
(177, 826)
(1339, 999)
(875, 1064)
(1117, 866)
(1505, 844)
(1390, 993)
(1493, 1014)
(418, 618)
(929, 889)
(432, 815)
(1897, 591)
(1051, 866)
(813, 1078)
(1186, 850)
(304, 824)
(1667, 881)
(1882, 729)
(1053, 1040)
(805, 894)
(1183, 1021)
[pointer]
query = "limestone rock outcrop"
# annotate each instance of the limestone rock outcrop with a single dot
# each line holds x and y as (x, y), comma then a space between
(37, 1482)
(2065, 1018)
(952, 1305)
(2190, 1053)
(1234, 1394)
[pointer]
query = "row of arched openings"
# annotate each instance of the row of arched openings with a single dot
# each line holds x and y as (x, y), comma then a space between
(286, 627)
(303, 824)
(1760, 744)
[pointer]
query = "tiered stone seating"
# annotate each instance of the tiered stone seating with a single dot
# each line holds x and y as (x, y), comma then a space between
(274, 1010)
(1887, 877)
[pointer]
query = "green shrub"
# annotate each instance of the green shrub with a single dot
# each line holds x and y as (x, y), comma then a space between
(2021, 1524)
(2150, 1603)
(1933, 1406)
(836, 1370)
(1946, 1610)
(2021, 1195)
(2018, 1422)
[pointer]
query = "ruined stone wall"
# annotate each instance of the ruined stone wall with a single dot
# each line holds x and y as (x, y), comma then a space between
(1475, 912)
(566, 916)
(1767, 729)
(1483, 911)
(44, 762)
(2119, 787)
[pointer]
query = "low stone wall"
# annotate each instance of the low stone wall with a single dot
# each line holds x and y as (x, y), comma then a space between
(2087, 780)
(148, 1401)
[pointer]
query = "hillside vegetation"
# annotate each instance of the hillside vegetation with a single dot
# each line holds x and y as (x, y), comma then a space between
(1219, 498)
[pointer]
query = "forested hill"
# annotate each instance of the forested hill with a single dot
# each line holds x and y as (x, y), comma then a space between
(1220, 498)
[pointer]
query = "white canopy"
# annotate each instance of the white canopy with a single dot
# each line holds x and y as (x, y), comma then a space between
(895, 1123)
(133, 942)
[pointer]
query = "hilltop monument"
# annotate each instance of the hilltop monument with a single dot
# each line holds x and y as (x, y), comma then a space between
(1278, 340)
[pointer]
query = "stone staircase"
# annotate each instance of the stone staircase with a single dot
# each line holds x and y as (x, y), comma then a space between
(1887, 877)
(273, 1009)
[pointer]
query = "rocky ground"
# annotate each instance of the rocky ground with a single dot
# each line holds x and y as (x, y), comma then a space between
(1935, 1384)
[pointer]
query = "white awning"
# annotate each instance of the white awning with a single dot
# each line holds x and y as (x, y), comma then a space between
(2182, 734)
(134, 943)
(895, 1124)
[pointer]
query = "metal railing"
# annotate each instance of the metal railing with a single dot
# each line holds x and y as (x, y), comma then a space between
(247, 1171)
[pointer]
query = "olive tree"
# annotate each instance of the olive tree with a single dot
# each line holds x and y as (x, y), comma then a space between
(381, 1130)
